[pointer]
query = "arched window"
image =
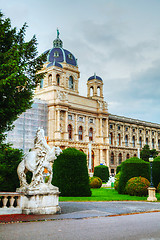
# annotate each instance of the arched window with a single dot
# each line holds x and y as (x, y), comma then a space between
(152, 143)
(140, 142)
(80, 133)
(118, 139)
(91, 91)
(135, 155)
(112, 158)
(50, 80)
(158, 144)
(127, 157)
(58, 79)
(120, 158)
(111, 138)
(70, 82)
(91, 134)
(133, 141)
(146, 141)
(126, 140)
(98, 91)
(70, 131)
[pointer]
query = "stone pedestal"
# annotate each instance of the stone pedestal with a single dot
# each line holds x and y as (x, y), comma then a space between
(40, 203)
(43, 200)
(152, 194)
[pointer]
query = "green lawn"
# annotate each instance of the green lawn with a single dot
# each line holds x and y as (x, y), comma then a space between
(104, 194)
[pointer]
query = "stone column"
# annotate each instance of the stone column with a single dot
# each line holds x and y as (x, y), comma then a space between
(97, 129)
(86, 132)
(100, 131)
(57, 133)
(76, 128)
(123, 136)
(101, 156)
(106, 138)
(66, 126)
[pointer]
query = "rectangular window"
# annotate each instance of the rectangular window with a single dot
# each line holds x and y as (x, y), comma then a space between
(70, 117)
(80, 119)
(91, 120)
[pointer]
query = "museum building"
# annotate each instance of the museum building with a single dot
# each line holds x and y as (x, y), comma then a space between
(84, 122)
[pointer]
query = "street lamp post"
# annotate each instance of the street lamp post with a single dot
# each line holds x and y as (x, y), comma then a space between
(151, 161)
(151, 189)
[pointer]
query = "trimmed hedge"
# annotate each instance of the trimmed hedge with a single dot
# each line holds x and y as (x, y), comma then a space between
(95, 182)
(133, 167)
(137, 186)
(116, 183)
(70, 173)
(102, 172)
(158, 188)
(118, 169)
(156, 171)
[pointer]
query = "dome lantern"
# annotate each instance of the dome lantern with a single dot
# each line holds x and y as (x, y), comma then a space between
(57, 43)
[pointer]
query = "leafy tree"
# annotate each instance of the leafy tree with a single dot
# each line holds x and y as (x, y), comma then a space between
(18, 67)
(9, 160)
(146, 153)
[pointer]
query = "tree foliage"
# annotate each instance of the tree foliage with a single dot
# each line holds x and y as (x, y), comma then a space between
(18, 67)
(9, 160)
(147, 152)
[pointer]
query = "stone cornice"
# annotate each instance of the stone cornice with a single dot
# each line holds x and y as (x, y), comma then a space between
(133, 121)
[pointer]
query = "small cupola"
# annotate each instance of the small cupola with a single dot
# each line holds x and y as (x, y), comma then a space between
(95, 87)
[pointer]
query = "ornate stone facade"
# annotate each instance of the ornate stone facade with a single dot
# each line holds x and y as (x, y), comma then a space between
(76, 121)
(128, 136)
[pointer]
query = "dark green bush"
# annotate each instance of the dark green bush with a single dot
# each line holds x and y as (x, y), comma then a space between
(9, 160)
(102, 172)
(158, 188)
(116, 183)
(137, 186)
(70, 173)
(118, 169)
(156, 171)
(133, 167)
(95, 182)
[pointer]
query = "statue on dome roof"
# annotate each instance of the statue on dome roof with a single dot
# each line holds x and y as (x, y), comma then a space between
(57, 33)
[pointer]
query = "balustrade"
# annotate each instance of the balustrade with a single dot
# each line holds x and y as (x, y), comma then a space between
(10, 203)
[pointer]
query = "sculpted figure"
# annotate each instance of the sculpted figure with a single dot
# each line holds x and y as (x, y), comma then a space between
(35, 161)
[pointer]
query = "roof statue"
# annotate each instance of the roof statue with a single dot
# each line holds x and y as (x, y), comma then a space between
(57, 33)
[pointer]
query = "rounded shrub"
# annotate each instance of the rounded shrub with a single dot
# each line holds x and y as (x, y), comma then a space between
(102, 172)
(117, 176)
(133, 167)
(137, 186)
(95, 182)
(70, 173)
(158, 188)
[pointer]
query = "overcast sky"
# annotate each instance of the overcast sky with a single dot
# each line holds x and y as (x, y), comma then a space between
(119, 40)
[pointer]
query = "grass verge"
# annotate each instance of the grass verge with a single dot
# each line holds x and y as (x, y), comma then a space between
(104, 194)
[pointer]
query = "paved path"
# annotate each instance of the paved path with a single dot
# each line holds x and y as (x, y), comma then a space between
(127, 227)
(81, 210)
